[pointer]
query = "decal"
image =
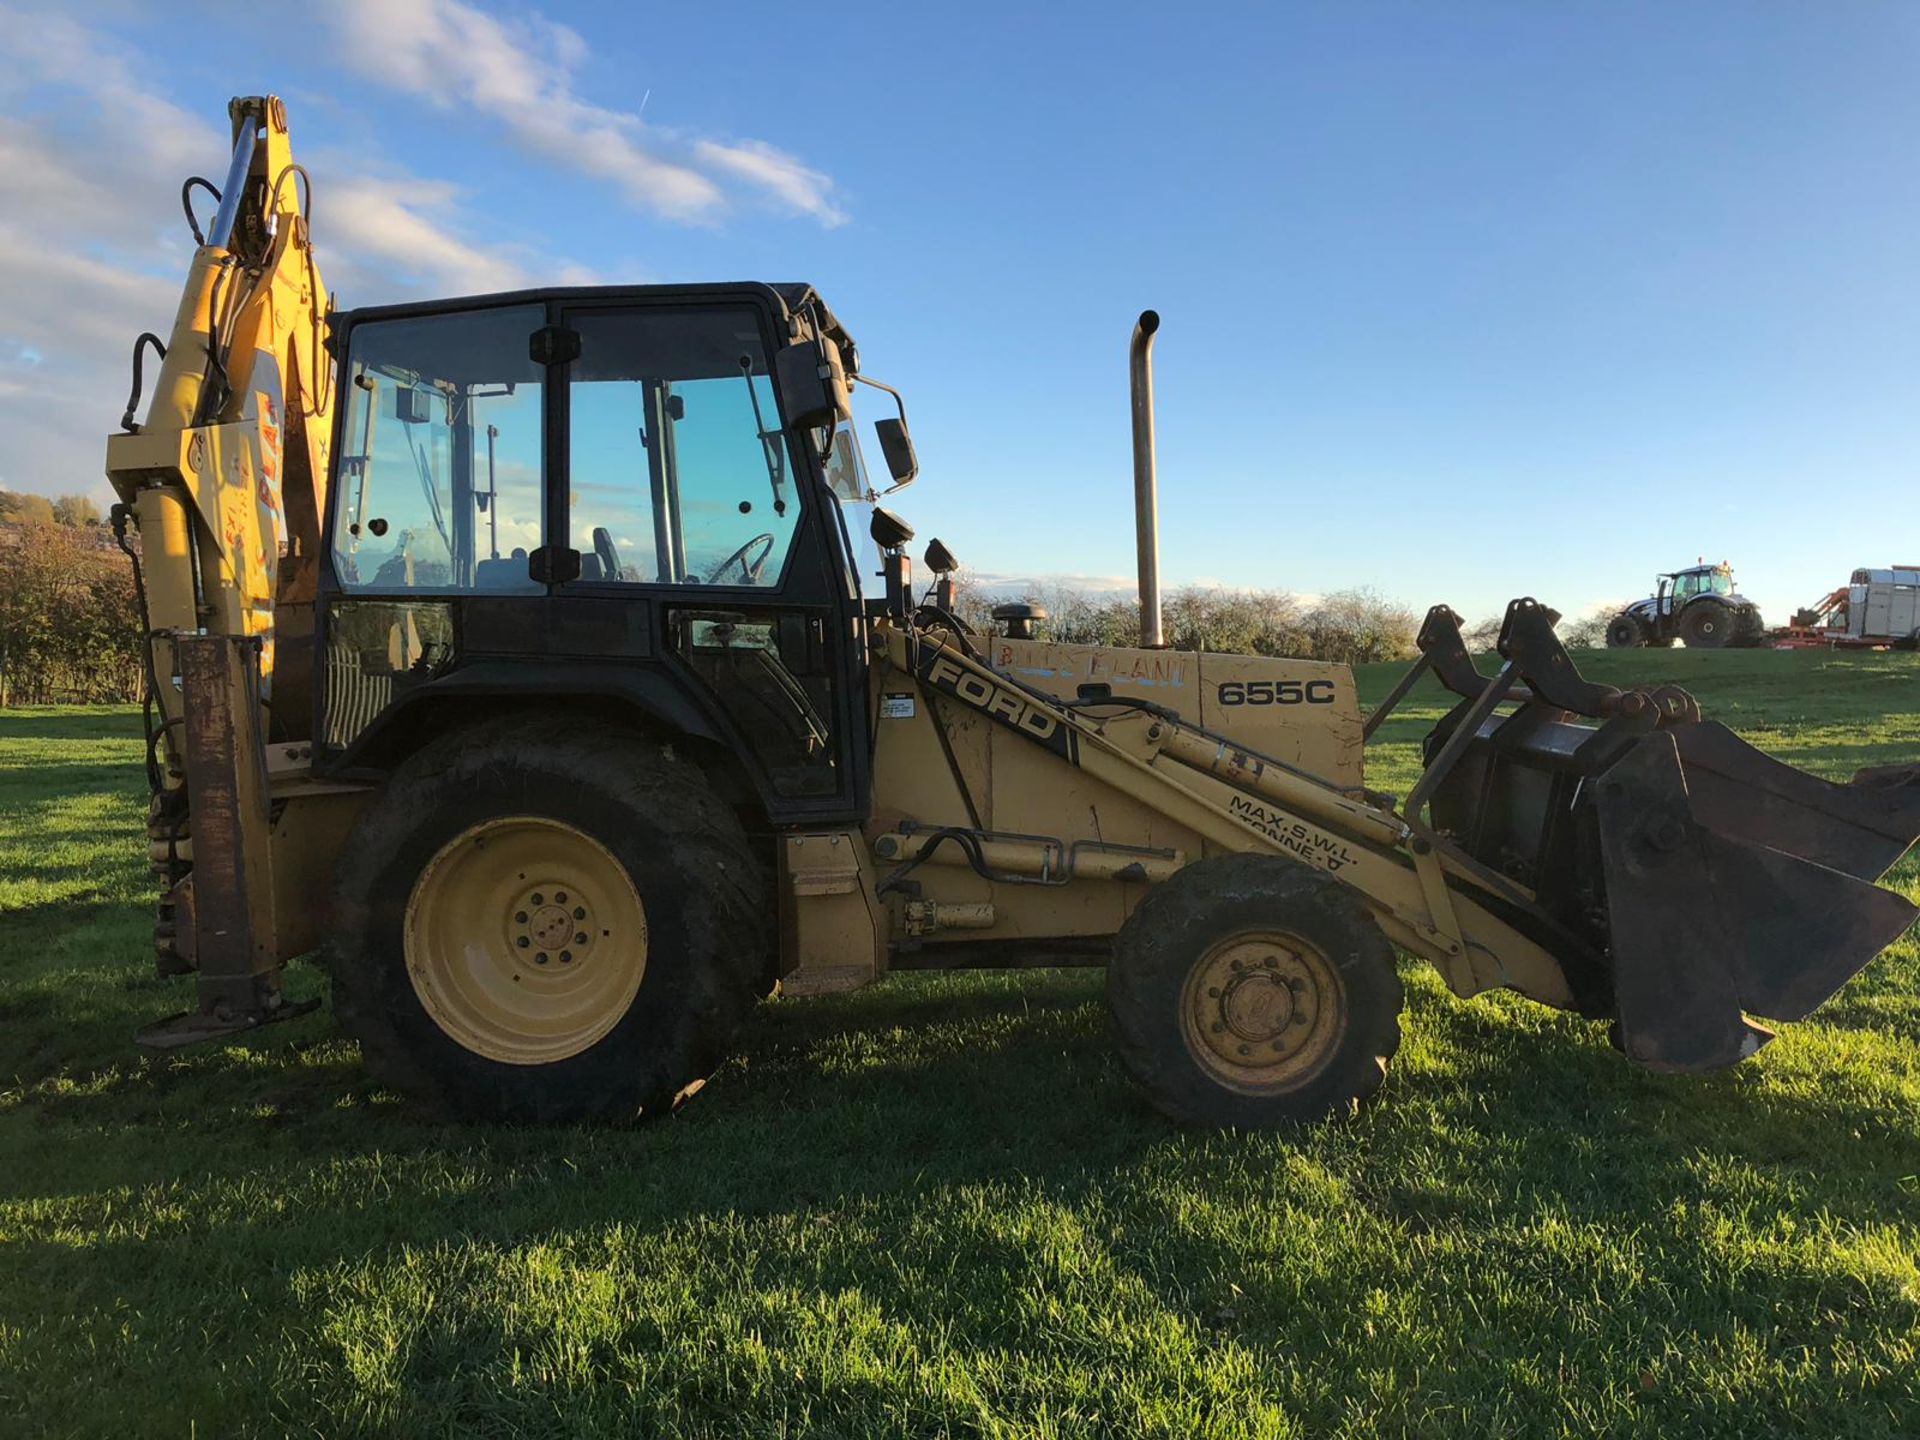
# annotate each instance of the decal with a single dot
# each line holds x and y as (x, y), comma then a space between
(1010, 707)
(1138, 669)
(1276, 692)
(896, 707)
(1145, 670)
(1316, 847)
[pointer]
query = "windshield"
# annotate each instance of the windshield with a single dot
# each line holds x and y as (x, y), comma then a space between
(678, 465)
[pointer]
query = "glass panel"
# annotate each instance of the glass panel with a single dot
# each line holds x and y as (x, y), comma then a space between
(377, 650)
(847, 478)
(678, 469)
(439, 479)
(769, 673)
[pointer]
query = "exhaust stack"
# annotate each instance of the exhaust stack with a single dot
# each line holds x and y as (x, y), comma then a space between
(1146, 504)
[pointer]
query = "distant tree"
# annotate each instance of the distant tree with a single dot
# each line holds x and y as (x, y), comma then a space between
(70, 626)
(1353, 626)
(1587, 633)
(19, 509)
(76, 510)
(1481, 637)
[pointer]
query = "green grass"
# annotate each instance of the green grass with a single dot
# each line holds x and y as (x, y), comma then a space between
(936, 1207)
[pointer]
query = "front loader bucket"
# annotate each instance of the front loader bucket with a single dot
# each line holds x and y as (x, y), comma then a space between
(1683, 878)
(1708, 919)
(1740, 793)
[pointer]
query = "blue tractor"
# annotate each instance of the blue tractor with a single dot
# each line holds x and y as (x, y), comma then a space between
(1698, 605)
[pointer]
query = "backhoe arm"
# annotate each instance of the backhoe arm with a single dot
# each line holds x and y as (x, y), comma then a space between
(225, 480)
(226, 475)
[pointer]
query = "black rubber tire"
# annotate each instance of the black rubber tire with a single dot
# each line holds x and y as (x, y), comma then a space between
(1184, 918)
(708, 906)
(1705, 625)
(1625, 632)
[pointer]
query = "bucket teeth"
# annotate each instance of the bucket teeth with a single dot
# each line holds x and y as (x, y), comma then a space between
(1712, 913)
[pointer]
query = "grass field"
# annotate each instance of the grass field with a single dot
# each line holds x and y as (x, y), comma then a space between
(936, 1208)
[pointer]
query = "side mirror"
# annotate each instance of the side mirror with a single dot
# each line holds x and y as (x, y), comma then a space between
(897, 445)
(813, 384)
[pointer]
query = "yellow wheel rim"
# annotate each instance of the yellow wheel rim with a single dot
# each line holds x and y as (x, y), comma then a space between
(1263, 1011)
(526, 940)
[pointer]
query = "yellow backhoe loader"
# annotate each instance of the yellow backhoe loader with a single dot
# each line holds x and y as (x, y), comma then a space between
(546, 662)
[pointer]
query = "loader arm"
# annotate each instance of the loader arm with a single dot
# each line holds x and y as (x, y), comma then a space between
(1419, 887)
(225, 480)
(1652, 869)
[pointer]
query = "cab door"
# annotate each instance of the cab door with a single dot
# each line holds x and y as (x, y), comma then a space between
(685, 498)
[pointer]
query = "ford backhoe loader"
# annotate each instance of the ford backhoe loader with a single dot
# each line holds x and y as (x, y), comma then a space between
(546, 662)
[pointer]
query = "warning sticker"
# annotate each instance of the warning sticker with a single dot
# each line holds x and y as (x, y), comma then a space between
(896, 707)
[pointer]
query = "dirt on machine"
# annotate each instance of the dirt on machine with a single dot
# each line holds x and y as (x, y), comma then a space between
(548, 665)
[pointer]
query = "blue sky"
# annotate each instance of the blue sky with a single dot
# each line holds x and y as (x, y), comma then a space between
(1461, 301)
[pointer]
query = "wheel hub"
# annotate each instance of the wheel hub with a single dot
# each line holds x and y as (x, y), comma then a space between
(543, 923)
(1263, 1011)
(1258, 1007)
(526, 940)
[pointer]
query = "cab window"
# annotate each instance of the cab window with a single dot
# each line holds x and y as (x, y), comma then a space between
(440, 471)
(678, 468)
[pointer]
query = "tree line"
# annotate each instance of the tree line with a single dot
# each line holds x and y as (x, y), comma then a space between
(70, 628)
(71, 510)
(1352, 627)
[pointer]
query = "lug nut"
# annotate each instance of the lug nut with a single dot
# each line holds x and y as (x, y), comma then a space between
(559, 897)
(579, 912)
(521, 916)
(538, 898)
(523, 942)
(580, 938)
(566, 957)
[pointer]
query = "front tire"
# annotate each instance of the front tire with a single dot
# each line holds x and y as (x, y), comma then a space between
(1250, 991)
(1624, 632)
(465, 890)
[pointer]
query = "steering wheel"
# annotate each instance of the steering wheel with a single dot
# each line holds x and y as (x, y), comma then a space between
(749, 570)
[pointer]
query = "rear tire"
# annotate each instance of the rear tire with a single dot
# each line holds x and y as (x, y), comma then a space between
(433, 939)
(1625, 632)
(1250, 991)
(1706, 626)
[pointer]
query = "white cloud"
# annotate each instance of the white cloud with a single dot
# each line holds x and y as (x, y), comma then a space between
(93, 247)
(1094, 586)
(520, 72)
(400, 226)
(780, 174)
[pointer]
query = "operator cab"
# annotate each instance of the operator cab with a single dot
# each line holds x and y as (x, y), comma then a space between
(1679, 586)
(642, 499)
